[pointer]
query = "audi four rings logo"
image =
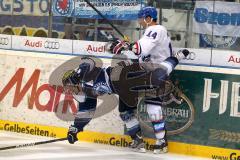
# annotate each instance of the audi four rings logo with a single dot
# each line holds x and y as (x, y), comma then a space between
(4, 41)
(51, 45)
(191, 56)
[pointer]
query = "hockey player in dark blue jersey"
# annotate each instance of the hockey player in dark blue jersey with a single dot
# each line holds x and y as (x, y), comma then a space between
(113, 80)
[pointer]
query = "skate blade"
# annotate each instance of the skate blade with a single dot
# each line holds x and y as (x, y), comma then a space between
(139, 150)
(161, 151)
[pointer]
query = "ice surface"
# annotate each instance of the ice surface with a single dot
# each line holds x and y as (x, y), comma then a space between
(78, 151)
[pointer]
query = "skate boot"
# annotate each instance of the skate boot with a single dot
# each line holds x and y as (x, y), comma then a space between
(138, 145)
(160, 147)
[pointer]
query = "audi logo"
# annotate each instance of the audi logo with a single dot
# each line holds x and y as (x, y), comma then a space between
(51, 45)
(4, 41)
(191, 56)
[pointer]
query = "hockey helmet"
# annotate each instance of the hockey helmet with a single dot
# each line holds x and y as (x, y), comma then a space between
(148, 11)
(70, 84)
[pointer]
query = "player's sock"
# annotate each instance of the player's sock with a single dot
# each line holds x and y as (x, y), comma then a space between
(79, 124)
(155, 114)
(134, 130)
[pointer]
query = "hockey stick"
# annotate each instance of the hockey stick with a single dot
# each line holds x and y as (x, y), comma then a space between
(32, 144)
(109, 22)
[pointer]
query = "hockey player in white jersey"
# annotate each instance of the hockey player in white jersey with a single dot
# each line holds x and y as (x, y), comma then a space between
(155, 44)
(152, 49)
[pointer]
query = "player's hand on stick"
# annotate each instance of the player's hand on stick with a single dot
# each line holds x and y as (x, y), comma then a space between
(72, 134)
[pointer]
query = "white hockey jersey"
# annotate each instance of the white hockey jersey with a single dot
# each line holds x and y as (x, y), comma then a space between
(155, 47)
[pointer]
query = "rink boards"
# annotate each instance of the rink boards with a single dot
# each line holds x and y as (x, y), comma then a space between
(32, 102)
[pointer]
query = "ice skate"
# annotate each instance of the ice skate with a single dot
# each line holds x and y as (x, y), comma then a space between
(160, 147)
(138, 145)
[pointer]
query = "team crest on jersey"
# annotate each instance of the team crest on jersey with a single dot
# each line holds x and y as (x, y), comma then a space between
(219, 41)
(63, 7)
(101, 88)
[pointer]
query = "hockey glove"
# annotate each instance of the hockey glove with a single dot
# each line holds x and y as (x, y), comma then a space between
(72, 134)
(181, 54)
(118, 46)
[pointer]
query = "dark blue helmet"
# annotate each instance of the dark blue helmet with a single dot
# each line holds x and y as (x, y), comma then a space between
(148, 11)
